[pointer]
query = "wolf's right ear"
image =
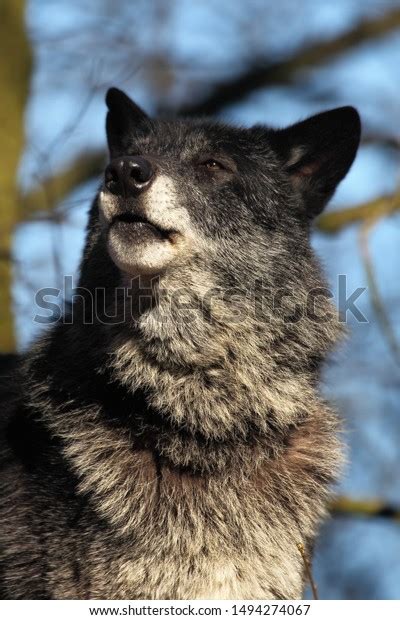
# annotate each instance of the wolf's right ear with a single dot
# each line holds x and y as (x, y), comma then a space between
(123, 118)
(317, 153)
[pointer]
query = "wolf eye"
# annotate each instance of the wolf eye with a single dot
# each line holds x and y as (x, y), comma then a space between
(212, 164)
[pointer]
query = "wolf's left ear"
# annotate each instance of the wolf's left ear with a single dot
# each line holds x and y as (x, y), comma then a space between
(123, 118)
(318, 152)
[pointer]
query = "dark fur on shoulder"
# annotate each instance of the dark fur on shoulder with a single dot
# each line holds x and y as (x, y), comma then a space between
(176, 446)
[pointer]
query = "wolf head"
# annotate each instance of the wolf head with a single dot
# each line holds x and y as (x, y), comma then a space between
(181, 192)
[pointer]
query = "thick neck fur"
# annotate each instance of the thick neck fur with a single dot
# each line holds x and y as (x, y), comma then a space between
(195, 382)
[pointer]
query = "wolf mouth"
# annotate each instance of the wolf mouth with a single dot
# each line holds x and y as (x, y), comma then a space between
(138, 223)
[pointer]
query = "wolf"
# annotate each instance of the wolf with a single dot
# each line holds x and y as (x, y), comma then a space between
(166, 438)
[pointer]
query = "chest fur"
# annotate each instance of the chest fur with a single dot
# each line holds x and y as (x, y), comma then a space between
(202, 539)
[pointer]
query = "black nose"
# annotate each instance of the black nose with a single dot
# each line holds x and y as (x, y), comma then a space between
(128, 175)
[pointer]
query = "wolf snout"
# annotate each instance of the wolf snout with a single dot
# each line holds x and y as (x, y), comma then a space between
(125, 176)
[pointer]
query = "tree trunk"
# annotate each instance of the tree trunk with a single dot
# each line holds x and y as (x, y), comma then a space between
(15, 69)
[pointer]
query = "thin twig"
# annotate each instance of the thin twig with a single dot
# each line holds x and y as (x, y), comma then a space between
(307, 567)
(376, 299)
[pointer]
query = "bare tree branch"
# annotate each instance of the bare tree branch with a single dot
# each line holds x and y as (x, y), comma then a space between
(54, 189)
(382, 140)
(364, 508)
(264, 73)
(333, 222)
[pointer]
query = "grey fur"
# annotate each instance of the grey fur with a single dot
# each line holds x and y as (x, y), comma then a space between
(183, 453)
